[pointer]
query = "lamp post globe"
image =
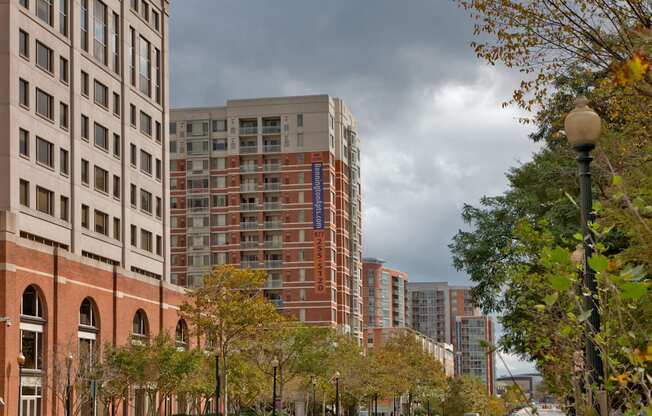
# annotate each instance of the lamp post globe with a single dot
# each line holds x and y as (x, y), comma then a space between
(583, 126)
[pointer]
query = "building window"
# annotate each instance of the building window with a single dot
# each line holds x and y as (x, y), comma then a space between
(158, 207)
(145, 66)
(116, 104)
(146, 201)
(133, 195)
(157, 62)
(132, 56)
(158, 169)
(84, 171)
(101, 137)
(44, 104)
(101, 223)
(133, 154)
(139, 326)
(23, 87)
(134, 236)
(146, 240)
(299, 120)
(63, 70)
(181, 334)
(85, 83)
(44, 200)
(145, 162)
(44, 57)
(31, 335)
(173, 127)
(144, 11)
(145, 124)
(116, 228)
(44, 10)
(64, 213)
(158, 132)
(83, 24)
(24, 3)
(24, 193)
(115, 43)
(23, 140)
(63, 17)
(116, 186)
(99, 31)
(44, 152)
(101, 180)
(159, 245)
(23, 44)
(101, 94)
(117, 145)
(63, 116)
(64, 163)
(84, 127)
(85, 216)
(132, 115)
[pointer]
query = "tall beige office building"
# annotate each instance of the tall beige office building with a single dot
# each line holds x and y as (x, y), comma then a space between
(273, 184)
(83, 192)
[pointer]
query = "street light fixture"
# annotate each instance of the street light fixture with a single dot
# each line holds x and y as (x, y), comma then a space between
(582, 126)
(275, 366)
(337, 393)
(21, 362)
(69, 359)
(313, 381)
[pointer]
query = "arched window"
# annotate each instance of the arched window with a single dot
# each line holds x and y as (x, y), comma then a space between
(32, 326)
(140, 328)
(31, 305)
(87, 314)
(181, 334)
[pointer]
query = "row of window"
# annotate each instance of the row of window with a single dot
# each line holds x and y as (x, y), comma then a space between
(142, 8)
(146, 201)
(200, 128)
(146, 240)
(44, 200)
(44, 103)
(45, 152)
(44, 56)
(45, 11)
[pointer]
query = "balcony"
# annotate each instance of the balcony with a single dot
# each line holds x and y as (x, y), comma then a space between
(249, 264)
(273, 186)
(249, 244)
(248, 149)
(273, 264)
(272, 206)
(248, 187)
(272, 148)
(274, 284)
(271, 129)
(248, 225)
(248, 129)
(249, 206)
(248, 168)
(273, 224)
(272, 167)
(273, 244)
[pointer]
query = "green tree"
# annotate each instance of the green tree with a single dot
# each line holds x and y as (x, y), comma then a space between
(230, 309)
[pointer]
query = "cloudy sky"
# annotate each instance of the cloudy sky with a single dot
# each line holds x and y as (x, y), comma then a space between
(434, 133)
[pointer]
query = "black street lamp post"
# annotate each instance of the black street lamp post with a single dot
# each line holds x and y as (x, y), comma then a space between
(337, 393)
(275, 366)
(69, 359)
(21, 363)
(582, 126)
(313, 381)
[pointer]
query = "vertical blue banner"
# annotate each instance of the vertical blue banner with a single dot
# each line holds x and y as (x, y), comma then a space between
(317, 196)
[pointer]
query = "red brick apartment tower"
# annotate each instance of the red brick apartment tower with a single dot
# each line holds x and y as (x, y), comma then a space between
(83, 187)
(272, 184)
(385, 295)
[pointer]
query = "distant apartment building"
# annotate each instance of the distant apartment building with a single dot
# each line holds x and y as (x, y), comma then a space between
(272, 184)
(434, 307)
(384, 295)
(473, 336)
(84, 200)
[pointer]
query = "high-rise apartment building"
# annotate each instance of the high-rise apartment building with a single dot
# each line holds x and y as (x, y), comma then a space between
(473, 335)
(83, 195)
(272, 184)
(384, 299)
